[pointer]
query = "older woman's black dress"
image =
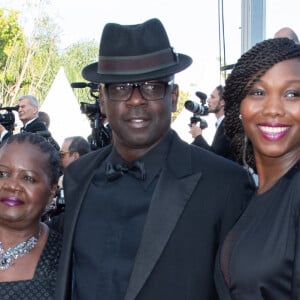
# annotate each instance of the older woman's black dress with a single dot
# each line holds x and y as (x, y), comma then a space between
(42, 286)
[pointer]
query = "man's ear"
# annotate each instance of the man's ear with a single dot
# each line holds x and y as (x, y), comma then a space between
(175, 96)
(35, 109)
(76, 155)
(222, 102)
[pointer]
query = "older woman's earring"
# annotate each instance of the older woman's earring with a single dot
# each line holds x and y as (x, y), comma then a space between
(240, 116)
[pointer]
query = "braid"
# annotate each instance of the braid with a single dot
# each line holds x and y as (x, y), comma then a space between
(53, 161)
(251, 66)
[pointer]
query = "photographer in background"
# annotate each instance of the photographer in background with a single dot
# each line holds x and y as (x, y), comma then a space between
(28, 111)
(101, 132)
(29, 114)
(220, 144)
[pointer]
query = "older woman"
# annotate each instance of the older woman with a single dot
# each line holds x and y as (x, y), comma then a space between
(29, 251)
(260, 256)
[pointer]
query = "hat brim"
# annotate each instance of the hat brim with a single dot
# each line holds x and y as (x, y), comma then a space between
(90, 72)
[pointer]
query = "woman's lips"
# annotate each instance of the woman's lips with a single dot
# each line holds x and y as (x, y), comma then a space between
(11, 201)
(273, 133)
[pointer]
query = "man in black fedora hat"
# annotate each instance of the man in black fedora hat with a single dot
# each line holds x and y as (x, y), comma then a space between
(145, 215)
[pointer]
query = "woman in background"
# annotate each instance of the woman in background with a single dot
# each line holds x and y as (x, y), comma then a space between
(29, 251)
(260, 256)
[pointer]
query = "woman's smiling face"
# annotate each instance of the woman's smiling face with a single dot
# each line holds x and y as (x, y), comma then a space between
(271, 111)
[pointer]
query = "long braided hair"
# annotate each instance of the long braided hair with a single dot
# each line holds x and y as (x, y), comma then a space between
(251, 66)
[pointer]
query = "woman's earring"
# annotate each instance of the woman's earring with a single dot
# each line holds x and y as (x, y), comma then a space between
(240, 116)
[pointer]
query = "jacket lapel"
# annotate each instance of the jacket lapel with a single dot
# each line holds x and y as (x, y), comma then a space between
(77, 188)
(171, 195)
(219, 132)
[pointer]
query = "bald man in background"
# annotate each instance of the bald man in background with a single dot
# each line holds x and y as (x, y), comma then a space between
(287, 32)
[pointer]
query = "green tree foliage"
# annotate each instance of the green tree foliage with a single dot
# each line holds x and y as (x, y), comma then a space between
(11, 37)
(74, 59)
(10, 33)
(30, 62)
(183, 96)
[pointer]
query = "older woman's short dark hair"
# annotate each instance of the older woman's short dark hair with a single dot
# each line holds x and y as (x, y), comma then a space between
(53, 162)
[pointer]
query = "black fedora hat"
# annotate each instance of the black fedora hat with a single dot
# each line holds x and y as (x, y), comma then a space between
(134, 53)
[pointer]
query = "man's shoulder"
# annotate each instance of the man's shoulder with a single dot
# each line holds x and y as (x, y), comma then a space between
(36, 125)
(209, 159)
(201, 159)
(91, 159)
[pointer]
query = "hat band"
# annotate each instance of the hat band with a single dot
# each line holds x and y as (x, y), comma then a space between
(127, 65)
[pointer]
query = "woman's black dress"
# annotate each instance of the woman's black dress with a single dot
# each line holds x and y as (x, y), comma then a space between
(257, 259)
(42, 286)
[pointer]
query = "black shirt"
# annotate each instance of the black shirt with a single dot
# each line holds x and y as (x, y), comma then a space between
(110, 227)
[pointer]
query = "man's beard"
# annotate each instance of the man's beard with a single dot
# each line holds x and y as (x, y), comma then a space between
(215, 110)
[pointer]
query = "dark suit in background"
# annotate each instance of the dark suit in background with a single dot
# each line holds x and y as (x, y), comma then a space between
(28, 115)
(39, 127)
(34, 126)
(220, 144)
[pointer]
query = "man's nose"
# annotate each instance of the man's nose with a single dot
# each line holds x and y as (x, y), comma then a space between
(136, 97)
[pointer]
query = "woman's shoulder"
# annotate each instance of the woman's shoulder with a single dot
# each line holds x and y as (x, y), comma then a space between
(54, 239)
(48, 263)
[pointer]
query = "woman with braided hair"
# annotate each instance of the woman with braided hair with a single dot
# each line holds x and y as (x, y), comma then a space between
(260, 257)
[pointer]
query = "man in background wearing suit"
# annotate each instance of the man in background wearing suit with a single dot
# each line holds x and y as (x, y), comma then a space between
(28, 111)
(29, 114)
(220, 144)
(28, 108)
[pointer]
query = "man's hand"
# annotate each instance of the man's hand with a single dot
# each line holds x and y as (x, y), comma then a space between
(195, 130)
(2, 129)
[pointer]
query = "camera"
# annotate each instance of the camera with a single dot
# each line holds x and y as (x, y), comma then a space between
(100, 135)
(89, 108)
(7, 119)
(56, 207)
(198, 110)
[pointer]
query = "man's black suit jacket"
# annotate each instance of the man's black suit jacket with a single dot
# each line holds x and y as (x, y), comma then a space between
(220, 144)
(198, 198)
(36, 125)
(39, 127)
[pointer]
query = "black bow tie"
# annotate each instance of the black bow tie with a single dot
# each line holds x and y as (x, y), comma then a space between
(136, 168)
